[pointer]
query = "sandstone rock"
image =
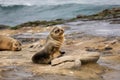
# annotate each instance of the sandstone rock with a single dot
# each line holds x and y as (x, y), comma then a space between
(62, 59)
(89, 57)
(74, 61)
(108, 47)
(66, 62)
(91, 49)
(113, 42)
(37, 44)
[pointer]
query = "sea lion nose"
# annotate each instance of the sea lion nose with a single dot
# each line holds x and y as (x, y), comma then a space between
(19, 49)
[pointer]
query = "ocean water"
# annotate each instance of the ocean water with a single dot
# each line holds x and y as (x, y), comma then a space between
(14, 12)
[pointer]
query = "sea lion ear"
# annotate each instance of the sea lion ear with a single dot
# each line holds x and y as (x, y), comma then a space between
(12, 46)
(19, 43)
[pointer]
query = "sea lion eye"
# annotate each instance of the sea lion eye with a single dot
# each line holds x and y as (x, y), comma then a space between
(57, 31)
(16, 44)
(62, 30)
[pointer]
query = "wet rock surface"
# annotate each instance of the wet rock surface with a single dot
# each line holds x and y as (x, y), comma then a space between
(15, 73)
(105, 14)
(74, 44)
(19, 73)
(96, 28)
(112, 15)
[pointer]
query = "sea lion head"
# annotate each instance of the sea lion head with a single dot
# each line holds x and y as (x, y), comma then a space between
(16, 46)
(57, 32)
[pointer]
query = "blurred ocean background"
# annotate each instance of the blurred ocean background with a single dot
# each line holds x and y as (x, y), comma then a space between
(13, 12)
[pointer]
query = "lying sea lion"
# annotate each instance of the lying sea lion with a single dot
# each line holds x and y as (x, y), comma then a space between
(52, 46)
(8, 43)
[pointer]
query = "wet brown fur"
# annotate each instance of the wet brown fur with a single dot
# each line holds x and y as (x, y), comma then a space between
(8, 43)
(51, 49)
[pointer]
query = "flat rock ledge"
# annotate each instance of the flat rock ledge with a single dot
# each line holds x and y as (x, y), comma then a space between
(75, 61)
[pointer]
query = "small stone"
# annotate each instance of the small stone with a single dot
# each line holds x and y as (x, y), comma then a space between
(107, 47)
(77, 63)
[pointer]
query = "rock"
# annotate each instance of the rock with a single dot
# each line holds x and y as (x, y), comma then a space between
(4, 27)
(108, 47)
(105, 14)
(88, 57)
(91, 49)
(74, 61)
(80, 16)
(113, 42)
(37, 44)
(66, 62)
(39, 23)
(115, 22)
(62, 59)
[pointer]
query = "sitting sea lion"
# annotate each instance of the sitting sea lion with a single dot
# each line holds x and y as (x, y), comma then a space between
(8, 43)
(52, 46)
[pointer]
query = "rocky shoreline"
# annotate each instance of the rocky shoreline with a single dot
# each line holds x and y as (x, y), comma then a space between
(112, 15)
(18, 65)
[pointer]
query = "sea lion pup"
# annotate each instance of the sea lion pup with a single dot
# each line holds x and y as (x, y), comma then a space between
(8, 43)
(52, 46)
